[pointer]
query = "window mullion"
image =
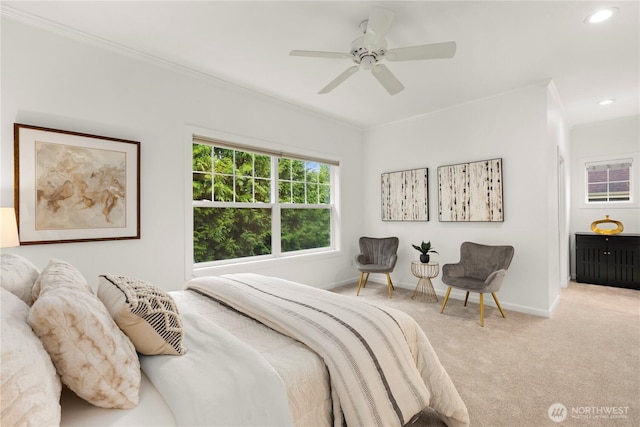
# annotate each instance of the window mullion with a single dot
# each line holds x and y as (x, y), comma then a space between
(253, 177)
(306, 187)
(276, 247)
(233, 177)
(213, 173)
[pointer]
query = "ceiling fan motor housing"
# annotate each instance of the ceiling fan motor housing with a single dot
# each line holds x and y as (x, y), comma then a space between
(360, 52)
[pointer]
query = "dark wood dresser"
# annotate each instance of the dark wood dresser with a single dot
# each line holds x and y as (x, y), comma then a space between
(608, 260)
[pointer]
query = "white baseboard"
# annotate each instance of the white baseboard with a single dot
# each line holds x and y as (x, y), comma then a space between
(328, 286)
(473, 297)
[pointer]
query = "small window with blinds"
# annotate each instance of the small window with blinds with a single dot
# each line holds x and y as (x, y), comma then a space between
(609, 181)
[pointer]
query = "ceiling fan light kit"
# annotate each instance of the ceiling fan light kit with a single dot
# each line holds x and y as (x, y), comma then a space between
(370, 48)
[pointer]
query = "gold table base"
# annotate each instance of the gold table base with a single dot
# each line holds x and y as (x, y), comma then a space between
(424, 289)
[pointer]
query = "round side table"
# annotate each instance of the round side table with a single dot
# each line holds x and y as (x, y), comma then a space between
(425, 272)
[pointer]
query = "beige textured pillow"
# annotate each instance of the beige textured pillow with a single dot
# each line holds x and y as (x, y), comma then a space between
(146, 313)
(92, 355)
(18, 275)
(59, 273)
(30, 385)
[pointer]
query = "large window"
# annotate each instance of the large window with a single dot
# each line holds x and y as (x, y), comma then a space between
(608, 181)
(250, 203)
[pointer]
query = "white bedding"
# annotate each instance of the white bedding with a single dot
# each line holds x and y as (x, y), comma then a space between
(220, 381)
(302, 371)
(152, 411)
(383, 368)
(300, 394)
(299, 373)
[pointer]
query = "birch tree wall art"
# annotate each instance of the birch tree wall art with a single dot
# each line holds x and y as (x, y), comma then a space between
(471, 191)
(405, 195)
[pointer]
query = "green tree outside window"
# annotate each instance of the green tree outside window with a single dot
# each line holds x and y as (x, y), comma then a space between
(227, 176)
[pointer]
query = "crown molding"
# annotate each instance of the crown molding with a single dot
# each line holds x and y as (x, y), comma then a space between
(81, 36)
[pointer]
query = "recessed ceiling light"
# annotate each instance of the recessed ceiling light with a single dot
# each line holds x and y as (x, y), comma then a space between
(606, 101)
(601, 15)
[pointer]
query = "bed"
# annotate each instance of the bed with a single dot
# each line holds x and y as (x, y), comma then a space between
(240, 349)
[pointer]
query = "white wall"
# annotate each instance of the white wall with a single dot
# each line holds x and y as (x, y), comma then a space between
(53, 81)
(607, 138)
(513, 126)
(558, 183)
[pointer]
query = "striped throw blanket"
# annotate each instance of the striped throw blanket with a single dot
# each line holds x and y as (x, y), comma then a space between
(376, 378)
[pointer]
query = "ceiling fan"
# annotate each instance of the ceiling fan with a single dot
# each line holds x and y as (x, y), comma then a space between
(368, 49)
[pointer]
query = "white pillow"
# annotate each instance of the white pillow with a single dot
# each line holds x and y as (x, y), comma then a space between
(146, 313)
(59, 273)
(30, 386)
(92, 355)
(18, 275)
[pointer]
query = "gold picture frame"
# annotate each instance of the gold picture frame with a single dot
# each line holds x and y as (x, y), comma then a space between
(75, 187)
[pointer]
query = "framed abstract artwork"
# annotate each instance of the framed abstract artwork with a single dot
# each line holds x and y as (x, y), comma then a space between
(471, 192)
(405, 195)
(75, 187)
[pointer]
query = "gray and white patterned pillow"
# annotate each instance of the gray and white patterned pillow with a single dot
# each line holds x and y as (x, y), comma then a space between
(145, 312)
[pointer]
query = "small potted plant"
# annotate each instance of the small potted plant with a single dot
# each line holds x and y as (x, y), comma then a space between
(424, 250)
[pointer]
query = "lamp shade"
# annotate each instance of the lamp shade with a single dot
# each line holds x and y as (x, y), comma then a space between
(9, 232)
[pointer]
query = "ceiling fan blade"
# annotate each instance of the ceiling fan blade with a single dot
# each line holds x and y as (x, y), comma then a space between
(387, 79)
(427, 51)
(377, 27)
(318, 54)
(342, 77)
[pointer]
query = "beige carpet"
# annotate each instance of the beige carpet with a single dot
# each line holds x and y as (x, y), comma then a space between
(509, 373)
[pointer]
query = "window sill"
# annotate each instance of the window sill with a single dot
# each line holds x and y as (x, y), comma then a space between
(610, 205)
(260, 263)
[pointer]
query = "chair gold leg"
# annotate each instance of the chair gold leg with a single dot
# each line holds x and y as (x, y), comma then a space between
(360, 283)
(390, 285)
(446, 298)
(495, 298)
(481, 309)
(466, 297)
(364, 285)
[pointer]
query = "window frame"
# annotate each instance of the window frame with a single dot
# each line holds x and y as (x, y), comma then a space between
(274, 151)
(634, 181)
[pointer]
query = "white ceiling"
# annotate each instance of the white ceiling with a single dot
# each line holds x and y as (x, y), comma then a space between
(501, 45)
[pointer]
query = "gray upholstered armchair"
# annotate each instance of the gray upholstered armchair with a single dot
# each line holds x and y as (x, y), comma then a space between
(481, 269)
(377, 255)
